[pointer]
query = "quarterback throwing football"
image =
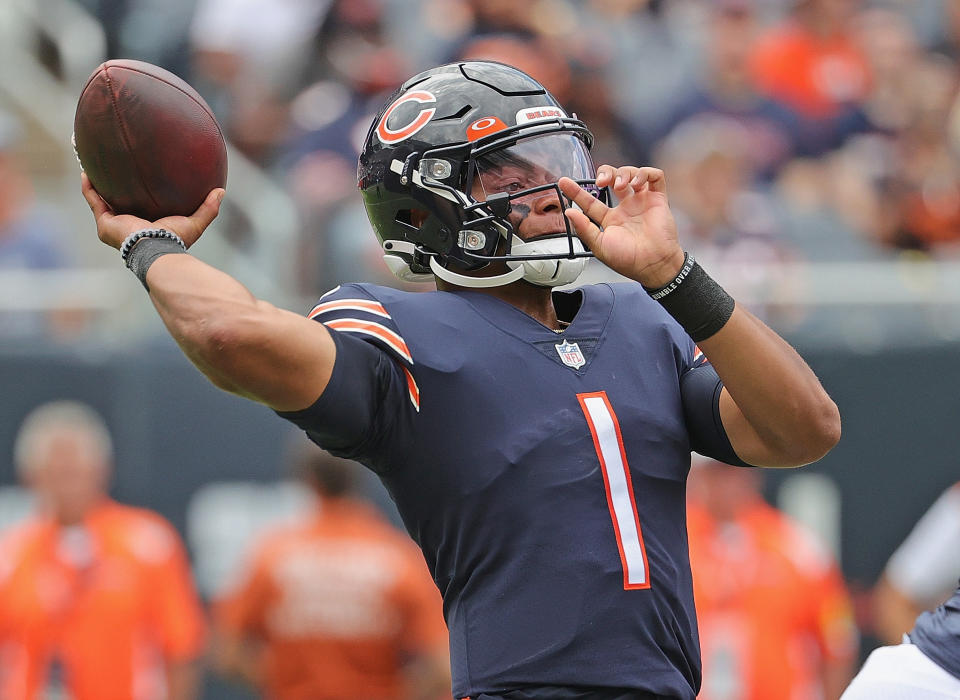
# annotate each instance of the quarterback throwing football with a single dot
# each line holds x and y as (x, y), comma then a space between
(536, 442)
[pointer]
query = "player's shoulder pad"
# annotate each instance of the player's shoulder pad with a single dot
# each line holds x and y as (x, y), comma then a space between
(362, 310)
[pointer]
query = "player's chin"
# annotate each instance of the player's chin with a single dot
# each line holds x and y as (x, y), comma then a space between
(543, 236)
(552, 228)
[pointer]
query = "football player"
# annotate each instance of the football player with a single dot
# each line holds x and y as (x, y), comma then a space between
(536, 442)
(925, 664)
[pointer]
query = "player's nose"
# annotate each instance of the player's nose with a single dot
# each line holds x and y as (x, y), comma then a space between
(547, 202)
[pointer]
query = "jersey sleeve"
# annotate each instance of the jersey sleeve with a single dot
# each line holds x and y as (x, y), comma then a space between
(700, 388)
(372, 392)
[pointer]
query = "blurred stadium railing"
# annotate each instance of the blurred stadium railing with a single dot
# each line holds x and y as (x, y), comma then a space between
(45, 102)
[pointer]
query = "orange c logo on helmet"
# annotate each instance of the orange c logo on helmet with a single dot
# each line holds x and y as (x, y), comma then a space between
(388, 135)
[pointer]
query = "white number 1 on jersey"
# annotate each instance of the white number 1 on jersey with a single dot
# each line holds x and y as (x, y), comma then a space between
(616, 478)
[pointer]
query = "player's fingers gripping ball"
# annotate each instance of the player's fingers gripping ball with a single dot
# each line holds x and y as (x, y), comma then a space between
(147, 140)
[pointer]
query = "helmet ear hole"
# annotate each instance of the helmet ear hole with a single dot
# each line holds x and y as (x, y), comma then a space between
(412, 217)
(417, 217)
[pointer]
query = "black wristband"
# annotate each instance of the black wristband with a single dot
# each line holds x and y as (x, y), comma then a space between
(145, 252)
(695, 301)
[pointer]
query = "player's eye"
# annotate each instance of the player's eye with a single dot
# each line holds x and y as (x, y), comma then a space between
(508, 186)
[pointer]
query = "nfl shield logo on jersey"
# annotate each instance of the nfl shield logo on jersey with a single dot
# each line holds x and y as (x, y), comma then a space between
(570, 354)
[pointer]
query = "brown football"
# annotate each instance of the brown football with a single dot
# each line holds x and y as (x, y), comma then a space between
(147, 140)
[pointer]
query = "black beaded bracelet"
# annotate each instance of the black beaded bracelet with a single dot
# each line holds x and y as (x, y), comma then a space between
(695, 301)
(137, 236)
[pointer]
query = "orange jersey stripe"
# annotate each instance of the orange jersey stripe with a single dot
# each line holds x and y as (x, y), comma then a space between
(412, 388)
(376, 330)
(349, 304)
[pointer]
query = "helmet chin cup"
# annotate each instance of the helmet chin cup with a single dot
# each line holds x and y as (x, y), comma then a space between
(548, 272)
(474, 282)
(401, 269)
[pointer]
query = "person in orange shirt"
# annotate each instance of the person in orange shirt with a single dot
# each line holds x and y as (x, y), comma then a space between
(812, 60)
(96, 598)
(339, 606)
(775, 619)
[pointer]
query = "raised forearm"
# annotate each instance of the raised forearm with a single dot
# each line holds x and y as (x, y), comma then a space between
(775, 411)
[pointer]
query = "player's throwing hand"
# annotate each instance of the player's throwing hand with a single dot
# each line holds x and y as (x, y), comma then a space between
(638, 237)
(113, 228)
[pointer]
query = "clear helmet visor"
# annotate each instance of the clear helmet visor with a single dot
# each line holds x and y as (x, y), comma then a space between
(530, 163)
(525, 173)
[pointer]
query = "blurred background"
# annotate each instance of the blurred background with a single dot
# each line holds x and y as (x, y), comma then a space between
(812, 152)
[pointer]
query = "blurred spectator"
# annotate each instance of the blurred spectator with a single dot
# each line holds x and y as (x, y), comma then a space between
(28, 238)
(924, 664)
(338, 606)
(925, 184)
(578, 82)
(899, 189)
(937, 23)
(726, 88)
(648, 51)
(813, 63)
(249, 60)
(31, 238)
(96, 599)
(892, 50)
(355, 64)
(774, 616)
(591, 100)
(148, 30)
(923, 571)
(729, 224)
(535, 56)
(548, 17)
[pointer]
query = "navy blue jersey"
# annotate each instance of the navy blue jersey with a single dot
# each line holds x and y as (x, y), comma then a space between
(937, 634)
(543, 474)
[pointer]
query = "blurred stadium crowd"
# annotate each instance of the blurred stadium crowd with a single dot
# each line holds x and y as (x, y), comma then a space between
(790, 131)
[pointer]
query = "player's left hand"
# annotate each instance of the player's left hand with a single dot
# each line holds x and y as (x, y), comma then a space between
(638, 237)
(114, 228)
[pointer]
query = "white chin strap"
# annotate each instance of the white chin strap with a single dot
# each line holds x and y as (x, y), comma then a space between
(474, 282)
(548, 272)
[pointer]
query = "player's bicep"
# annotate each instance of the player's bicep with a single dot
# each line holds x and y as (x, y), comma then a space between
(267, 354)
(746, 441)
